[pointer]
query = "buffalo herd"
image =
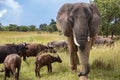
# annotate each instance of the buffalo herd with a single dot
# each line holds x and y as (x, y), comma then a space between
(10, 54)
(104, 41)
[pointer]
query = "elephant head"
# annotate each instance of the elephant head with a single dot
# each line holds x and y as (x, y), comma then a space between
(79, 23)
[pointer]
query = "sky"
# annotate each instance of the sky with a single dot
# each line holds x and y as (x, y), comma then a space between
(31, 12)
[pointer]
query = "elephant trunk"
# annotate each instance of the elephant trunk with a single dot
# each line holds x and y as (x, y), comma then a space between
(81, 36)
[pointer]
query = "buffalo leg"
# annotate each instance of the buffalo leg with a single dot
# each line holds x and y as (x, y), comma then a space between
(38, 71)
(49, 68)
(18, 71)
(14, 72)
(5, 74)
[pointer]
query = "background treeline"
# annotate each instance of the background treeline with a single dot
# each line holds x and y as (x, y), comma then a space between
(110, 15)
(42, 27)
(110, 20)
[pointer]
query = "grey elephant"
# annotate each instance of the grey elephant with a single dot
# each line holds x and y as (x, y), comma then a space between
(79, 23)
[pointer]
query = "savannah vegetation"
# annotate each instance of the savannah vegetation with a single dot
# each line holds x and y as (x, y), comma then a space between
(104, 61)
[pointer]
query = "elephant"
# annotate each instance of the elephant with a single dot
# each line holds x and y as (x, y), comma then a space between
(79, 22)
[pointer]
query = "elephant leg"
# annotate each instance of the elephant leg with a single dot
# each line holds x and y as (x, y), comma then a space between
(84, 58)
(73, 54)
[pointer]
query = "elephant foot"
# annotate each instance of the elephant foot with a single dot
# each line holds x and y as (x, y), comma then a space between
(84, 73)
(83, 78)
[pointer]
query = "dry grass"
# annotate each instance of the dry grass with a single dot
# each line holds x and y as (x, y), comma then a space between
(104, 61)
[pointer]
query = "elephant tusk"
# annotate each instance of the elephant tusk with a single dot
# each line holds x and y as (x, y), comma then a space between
(75, 41)
(88, 38)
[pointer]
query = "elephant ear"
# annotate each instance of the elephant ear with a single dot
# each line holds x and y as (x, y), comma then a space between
(95, 20)
(63, 19)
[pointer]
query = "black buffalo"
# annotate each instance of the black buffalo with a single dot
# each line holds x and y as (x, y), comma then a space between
(7, 49)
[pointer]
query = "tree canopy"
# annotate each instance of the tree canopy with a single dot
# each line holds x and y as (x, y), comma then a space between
(110, 15)
(42, 27)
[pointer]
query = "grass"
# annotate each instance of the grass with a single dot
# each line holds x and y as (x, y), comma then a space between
(104, 61)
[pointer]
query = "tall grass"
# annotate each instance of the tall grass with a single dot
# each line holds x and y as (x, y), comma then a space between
(104, 61)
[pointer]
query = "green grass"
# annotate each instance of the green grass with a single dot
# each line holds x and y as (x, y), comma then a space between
(104, 61)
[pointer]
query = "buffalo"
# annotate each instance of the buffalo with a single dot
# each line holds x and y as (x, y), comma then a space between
(11, 63)
(7, 49)
(45, 60)
(35, 48)
(104, 41)
(58, 44)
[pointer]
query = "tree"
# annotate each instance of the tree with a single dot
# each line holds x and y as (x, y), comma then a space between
(12, 27)
(53, 24)
(32, 27)
(42, 27)
(110, 14)
(50, 29)
(24, 28)
(1, 27)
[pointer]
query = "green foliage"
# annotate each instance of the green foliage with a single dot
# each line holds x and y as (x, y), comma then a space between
(49, 28)
(53, 25)
(24, 28)
(32, 27)
(110, 14)
(43, 27)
